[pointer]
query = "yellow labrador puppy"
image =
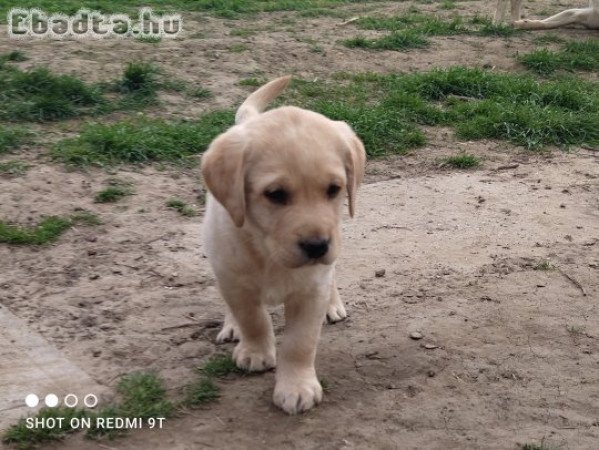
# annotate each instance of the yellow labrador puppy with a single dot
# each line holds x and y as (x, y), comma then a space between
(272, 233)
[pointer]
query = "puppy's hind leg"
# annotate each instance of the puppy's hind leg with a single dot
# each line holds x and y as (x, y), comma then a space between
(336, 310)
(255, 351)
(230, 330)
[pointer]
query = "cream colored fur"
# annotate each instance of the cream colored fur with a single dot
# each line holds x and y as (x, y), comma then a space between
(265, 251)
(586, 17)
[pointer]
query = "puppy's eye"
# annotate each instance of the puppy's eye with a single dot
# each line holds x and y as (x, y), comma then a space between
(333, 190)
(278, 196)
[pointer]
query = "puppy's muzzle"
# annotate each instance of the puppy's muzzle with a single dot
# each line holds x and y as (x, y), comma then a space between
(314, 248)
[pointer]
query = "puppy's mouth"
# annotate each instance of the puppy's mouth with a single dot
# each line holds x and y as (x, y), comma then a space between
(304, 261)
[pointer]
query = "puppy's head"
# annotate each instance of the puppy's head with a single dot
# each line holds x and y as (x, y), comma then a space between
(284, 175)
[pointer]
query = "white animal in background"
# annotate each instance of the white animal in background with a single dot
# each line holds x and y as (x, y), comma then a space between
(587, 17)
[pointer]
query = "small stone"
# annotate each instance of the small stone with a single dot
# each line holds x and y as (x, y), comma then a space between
(430, 346)
(94, 276)
(380, 273)
(96, 353)
(431, 373)
(416, 335)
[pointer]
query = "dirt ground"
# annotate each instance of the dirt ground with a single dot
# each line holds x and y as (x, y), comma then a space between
(516, 354)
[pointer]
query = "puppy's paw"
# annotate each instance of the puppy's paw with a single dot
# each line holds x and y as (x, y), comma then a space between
(254, 359)
(297, 394)
(229, 333)
(336, 310)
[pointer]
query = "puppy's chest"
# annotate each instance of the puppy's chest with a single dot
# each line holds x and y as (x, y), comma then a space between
(276, 286)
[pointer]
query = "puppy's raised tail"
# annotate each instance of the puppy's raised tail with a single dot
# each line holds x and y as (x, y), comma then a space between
(259, 100)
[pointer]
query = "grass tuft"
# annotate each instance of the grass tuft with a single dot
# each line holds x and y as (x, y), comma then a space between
(201, 391)
(479, 104)
(544, 266)
(253, 81)
(220, 365)
(397, 40)
(139, 77)
(38, 95)
(115, 191)
(14, 56)
(575, 55)
(25, 437)
(149, 39)
(142, 141)
(411, 30)
(11, 138)
(463, 161)
(48, 230)
(13, 168)
(181, 207)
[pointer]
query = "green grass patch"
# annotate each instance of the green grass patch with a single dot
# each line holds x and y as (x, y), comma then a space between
(113, 193)
(13, 168)
(574, 55)
(204, 389)
(252, 81)
(237, 48)
(412, 29)
(11, 138)
(242, 32)
(39, 95)
(544, 266)
(25, 438)
(230, 9)
(48, 230)
(463, 161)
(140, 395)
(541, 446)
(181, 207)
(219, 365)
(85, 218)
(14, 56)
(200, 392)
(447, 4)
(149, 39)
(397, 40)
(142, 141)
(199, 92)
(139, 77)
(549, 38)
(386, 109)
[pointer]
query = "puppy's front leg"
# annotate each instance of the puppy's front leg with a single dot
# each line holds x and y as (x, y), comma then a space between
(297, 389)
(255, 351)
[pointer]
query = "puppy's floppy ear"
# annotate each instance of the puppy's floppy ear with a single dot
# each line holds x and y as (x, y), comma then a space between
(355, 161)
(224, 174)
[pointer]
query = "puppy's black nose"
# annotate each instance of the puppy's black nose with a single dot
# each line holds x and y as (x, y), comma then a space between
(314, 248)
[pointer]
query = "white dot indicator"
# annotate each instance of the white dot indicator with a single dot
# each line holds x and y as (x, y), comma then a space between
(71, 400)
(90, 400)
(32, 400)
(51, 400)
